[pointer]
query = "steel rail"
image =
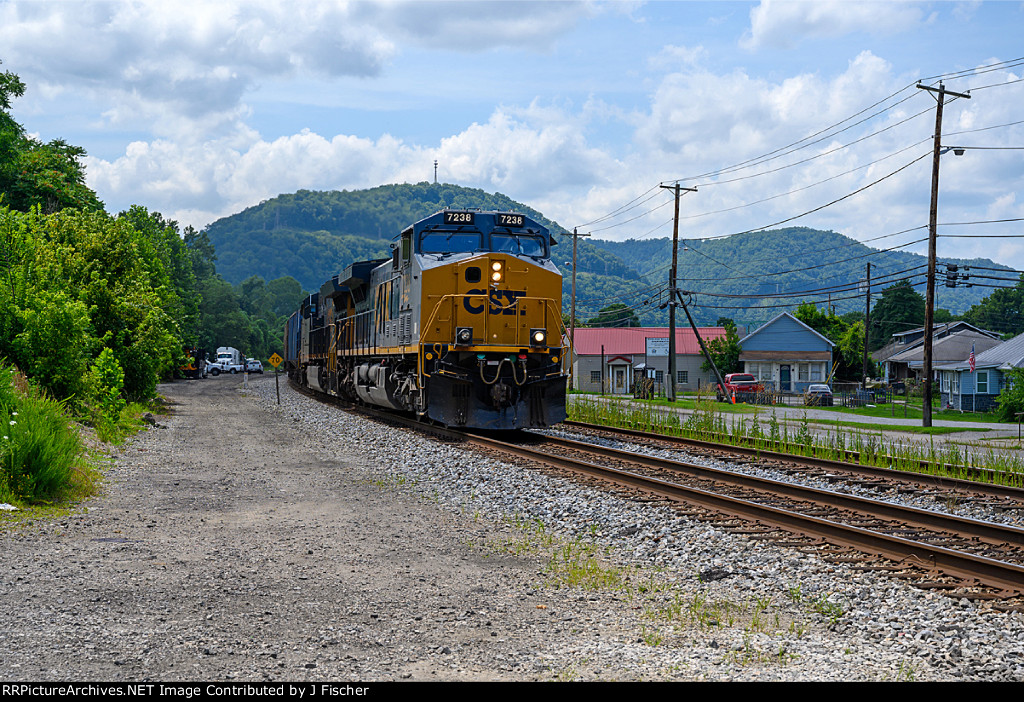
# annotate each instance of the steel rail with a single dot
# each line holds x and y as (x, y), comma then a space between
(942, 481)
(992, 532)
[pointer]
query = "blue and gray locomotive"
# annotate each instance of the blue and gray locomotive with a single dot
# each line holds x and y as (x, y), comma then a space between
(462, 325)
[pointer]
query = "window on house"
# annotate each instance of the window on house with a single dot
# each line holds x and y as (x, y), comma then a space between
(944, 382)
(659, 376)
(595, 376)
(817, 372)
(682, 377)
(803, 372)
(983, 382)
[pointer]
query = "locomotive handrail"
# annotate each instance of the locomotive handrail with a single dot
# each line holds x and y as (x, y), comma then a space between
(549, 310)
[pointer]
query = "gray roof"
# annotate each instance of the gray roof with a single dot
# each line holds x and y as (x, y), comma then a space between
(949, 349)
(949, 327)
(1009, 354)
(780, 316)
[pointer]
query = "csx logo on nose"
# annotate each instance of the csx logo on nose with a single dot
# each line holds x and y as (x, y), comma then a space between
(502, 301)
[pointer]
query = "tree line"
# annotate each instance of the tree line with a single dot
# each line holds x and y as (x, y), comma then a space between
(78, 284)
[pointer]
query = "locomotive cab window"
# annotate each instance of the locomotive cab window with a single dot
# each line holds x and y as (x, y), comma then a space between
(519, 244)
(449, 242)
(406, 245)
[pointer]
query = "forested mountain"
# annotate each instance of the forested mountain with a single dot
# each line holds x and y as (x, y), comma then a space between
(313, 235)
(810, 260)
(310, 236)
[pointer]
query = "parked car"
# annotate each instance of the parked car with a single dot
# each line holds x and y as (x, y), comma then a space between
(818, 396)
(253, 365)
(737, 384)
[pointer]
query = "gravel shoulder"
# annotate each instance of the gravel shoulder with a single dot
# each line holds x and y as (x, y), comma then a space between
(242, 540)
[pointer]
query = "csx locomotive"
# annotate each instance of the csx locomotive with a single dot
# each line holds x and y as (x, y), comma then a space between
(462, 325)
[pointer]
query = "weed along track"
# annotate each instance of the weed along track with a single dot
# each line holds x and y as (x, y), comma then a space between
(941, 487)
(966, 558)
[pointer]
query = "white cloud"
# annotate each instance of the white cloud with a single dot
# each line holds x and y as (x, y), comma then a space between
(184, 60)
(785, 24)
(473, 26)
(161, 65)
(178, 78)
(535, 154)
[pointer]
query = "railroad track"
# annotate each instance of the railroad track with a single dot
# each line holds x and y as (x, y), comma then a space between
(957, 556)
(936, 486)
(945, 472)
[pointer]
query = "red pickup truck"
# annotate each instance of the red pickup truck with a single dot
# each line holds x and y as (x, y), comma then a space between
(738, 383)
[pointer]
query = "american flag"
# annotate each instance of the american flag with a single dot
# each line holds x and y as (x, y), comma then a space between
(970, 360)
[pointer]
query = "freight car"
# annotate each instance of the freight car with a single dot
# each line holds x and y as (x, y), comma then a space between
(462, 325)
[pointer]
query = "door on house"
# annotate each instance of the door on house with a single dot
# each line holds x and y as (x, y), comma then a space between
(619, 373)
(784, 379)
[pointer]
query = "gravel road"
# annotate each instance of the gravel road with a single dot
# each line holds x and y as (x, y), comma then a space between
(240, 540)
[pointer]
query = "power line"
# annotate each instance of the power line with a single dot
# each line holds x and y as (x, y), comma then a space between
(825, 133)
(824, 153)
(828, 132)
(827, 204)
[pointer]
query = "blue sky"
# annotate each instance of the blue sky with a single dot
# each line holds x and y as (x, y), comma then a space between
(198, 110)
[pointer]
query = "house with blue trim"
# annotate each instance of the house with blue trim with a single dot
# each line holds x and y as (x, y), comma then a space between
(787, 355)
(970, 391)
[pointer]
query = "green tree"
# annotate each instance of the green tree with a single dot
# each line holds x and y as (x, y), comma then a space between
(725, 351)
(850, 352)
(1011, 398)
(1002, 311)
(615, 315)
(77, 282)
(847, 336)
(54, 344)
(33, 174)
(11, 133)
(900, 308)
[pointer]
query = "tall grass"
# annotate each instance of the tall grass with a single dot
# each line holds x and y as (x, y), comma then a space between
(39, 449)
(707, 422)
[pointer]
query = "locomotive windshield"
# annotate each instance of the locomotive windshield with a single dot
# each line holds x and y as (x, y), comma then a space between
(519, 244)
(450, 242)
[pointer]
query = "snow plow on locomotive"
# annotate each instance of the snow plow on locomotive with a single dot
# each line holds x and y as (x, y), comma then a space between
(462, 325)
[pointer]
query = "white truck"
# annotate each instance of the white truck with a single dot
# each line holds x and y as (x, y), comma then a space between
(228, 360)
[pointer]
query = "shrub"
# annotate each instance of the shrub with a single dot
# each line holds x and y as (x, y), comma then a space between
(38, 446)
(1011, 399)
(53, 347)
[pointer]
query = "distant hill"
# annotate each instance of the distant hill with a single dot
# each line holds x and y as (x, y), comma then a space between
(311, 236)
(747, 264)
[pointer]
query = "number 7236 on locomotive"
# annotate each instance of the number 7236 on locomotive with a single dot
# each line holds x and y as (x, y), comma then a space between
(462, 325)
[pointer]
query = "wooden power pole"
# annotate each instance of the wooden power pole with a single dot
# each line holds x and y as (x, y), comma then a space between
(670, 386)
(929, 303)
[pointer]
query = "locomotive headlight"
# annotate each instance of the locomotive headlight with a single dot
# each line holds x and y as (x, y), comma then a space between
(538, 337)
(496, 271)
(463, 336)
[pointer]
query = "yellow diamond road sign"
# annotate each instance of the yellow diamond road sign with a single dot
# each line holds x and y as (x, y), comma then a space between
(275, 360)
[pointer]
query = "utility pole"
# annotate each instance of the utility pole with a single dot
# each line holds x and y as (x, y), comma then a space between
(673, 293)
(929, 304)
(867, 326)
(572, 318)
